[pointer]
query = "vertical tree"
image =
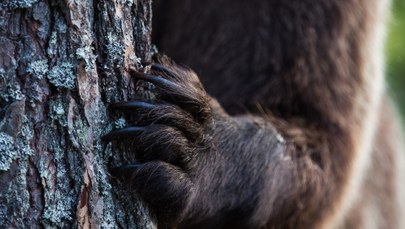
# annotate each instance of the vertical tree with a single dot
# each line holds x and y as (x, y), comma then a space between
(61, 63)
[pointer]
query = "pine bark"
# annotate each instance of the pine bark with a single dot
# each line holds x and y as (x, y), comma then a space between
(61, 63)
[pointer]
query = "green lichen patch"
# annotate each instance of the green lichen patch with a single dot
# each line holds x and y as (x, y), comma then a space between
(62, 76)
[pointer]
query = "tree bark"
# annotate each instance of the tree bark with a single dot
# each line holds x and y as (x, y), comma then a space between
(61, 63)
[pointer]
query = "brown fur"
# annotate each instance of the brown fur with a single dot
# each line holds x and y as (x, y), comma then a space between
(303, 81)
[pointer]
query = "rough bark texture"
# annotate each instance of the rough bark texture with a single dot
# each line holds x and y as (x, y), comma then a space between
(61, 63)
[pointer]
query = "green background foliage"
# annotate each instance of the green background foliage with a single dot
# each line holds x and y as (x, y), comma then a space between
(396, 53)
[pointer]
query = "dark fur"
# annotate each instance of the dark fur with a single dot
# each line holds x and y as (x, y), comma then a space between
(290, 73)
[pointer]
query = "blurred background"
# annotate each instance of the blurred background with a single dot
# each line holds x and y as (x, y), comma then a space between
(396, 54)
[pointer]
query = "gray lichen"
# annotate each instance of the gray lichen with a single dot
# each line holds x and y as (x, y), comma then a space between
(8, 151)
(15, 4)
(59, 210)
(14, 198)
(12, 92)
(128, 3)
(58, 111)
(53, 41)
(44, 170)
(120, 123)
(38, 68)
(21, 194)
(62, 76)
(12, 149)
(80, 133)
(15, 92)
(114, 47)
(86, 54)
(104, 187)
(109, 213)
(57, 42)
(2, 73)
(59, 196)
(25, 136)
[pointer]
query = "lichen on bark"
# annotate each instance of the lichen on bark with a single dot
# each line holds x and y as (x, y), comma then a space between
(61, 63)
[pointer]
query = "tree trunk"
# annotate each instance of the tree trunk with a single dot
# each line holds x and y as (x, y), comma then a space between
(61, 63)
